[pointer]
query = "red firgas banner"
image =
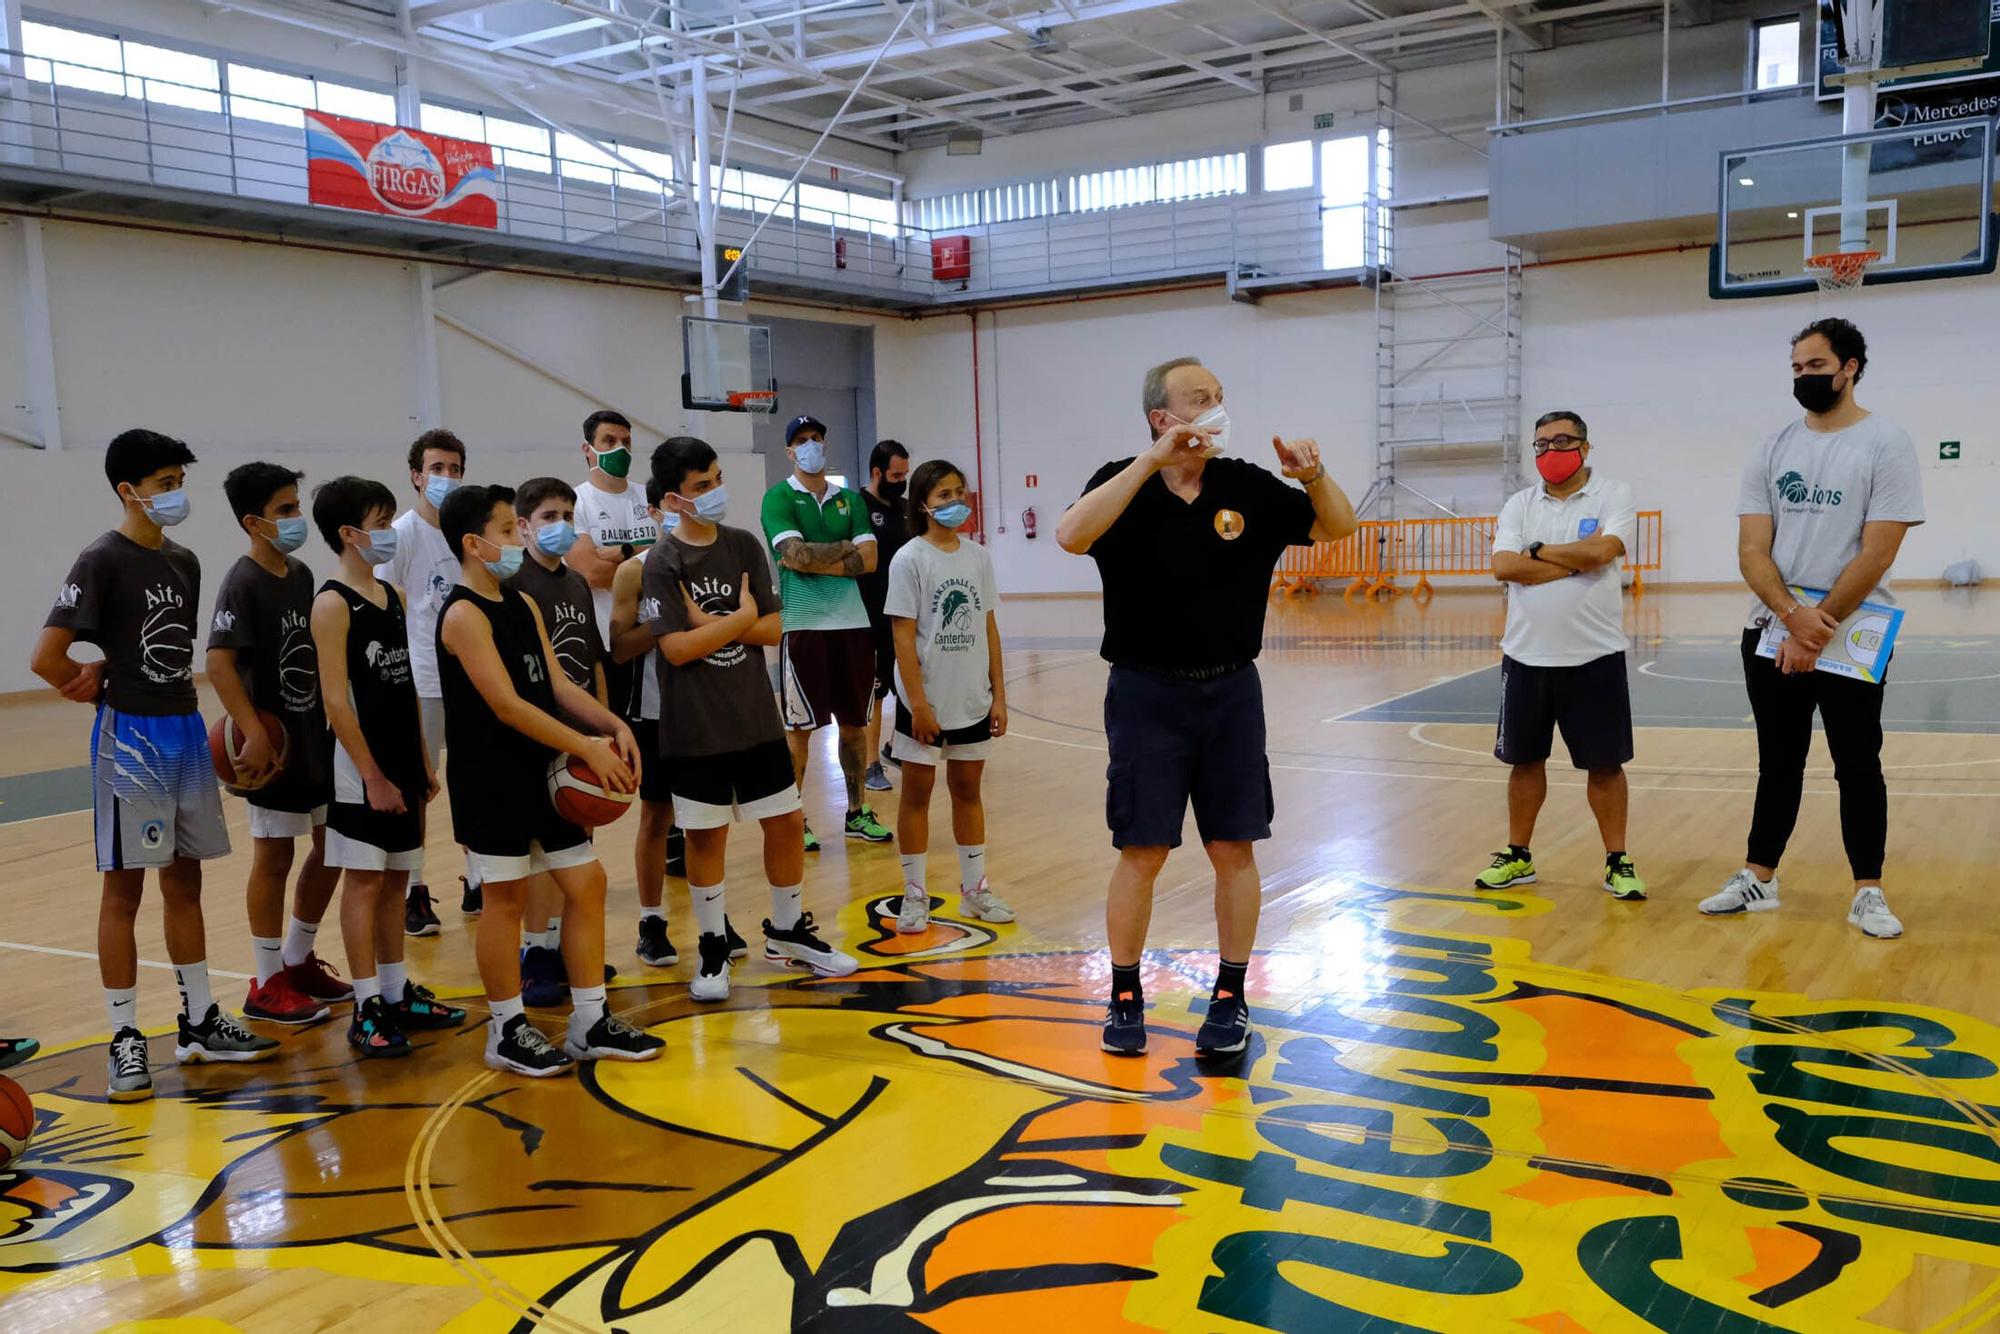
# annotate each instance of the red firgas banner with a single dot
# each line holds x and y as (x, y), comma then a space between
(400, 172)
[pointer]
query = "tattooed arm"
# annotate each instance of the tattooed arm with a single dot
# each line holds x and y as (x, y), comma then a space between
(842, 558)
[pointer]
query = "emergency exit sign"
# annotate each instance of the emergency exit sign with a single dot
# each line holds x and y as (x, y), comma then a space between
(1325, 120)
(1947, 449)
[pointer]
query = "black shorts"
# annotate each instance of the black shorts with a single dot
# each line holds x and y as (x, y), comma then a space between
(826, 676)
(1590, 703)
(885, 660)
(652, 769)
(709, 790)
(1173, 741)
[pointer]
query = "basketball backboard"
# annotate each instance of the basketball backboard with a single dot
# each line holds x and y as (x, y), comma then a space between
(1919, 197)
(1907, 43)
(726, 366)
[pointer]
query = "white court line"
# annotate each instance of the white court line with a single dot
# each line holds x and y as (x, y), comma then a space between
(85, 954)
(1402, 694)
(1646, 669)
(1416, 735)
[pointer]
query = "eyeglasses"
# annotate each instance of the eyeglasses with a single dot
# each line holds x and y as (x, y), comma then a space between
(1559, 442)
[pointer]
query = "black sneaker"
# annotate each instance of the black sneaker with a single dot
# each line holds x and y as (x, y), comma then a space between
(655, 950)
(711, 979)
(1226, 1031)
(542, 982)
(739, 948)
(419, 916)
(373, 1031)
(1125, 1026)
(523, 1049)
(218, 1037)
(677, 853)
(610, 1039)
(420, 1009)
(471, 898)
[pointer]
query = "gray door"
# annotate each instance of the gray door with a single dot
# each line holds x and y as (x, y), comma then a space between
(835, 407)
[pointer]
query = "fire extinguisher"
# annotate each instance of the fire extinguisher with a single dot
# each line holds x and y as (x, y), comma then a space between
(839, 252)
(1028, 523)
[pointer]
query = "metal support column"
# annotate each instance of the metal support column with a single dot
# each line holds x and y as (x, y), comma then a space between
(38, 338)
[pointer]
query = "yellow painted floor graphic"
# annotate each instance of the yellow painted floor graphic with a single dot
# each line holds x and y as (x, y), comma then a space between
(1430, 1132)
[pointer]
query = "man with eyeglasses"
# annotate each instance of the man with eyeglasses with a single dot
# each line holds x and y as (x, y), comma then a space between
(1558, 546)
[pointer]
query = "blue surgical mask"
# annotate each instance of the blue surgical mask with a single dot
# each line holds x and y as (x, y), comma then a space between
(509, 562)
(292, 533)
(555, 539)
(669, 520)
(166, 509)
(710, 506)
(380, 548)
(810, 455)
(438, 487)
(954, 515)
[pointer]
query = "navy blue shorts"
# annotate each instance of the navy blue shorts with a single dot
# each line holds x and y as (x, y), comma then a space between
(1174, 741)
(1590, 703)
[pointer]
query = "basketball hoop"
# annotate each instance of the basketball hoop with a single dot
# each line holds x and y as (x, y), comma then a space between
(1841, 271)
(753, 400)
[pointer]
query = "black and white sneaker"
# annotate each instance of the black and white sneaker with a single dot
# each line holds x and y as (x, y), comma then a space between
(374, 1033)
(711, 980)
(127, 1078)
(677, 853)
(1226, 1031)
(655, 950)
(218, 1037)
(739, 948)
(471, 897)
(419, 915)
(801, 947)
(420, 1009)
(1125, 1026)
(610, 1039)
(523, 1049)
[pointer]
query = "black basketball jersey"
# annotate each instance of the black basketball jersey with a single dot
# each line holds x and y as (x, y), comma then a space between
(385, 698)
(499, 777)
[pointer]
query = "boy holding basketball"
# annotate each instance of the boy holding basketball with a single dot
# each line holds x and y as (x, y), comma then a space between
(381, 775)
(133, 593)
(261, 660)
(708, 601)
(505, 701)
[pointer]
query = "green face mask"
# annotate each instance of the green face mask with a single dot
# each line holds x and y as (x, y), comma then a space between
(615, 462)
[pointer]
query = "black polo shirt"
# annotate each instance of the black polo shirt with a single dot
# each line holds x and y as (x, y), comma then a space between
(1186, 583)
(890, 533)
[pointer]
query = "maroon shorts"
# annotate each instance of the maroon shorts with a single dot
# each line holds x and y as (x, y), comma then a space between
(826, 676)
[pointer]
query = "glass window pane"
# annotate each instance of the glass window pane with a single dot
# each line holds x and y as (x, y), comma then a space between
(516, 134)
(340, 100)
(453, 123)
(661, 165)
(86, 50)
(1288, 166)
(1340, 238)
(1777, 54)
(270, 86)
(251, 108)
(515, 159)
(1343, 170)
(181, 67)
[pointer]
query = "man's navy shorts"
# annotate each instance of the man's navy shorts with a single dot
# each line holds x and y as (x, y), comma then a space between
(1175, 740)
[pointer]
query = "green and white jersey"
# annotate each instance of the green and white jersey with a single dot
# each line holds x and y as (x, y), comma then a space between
(817, 601)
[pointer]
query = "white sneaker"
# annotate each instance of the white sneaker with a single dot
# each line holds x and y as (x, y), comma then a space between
(980, 904)
(914, 916)
(1742, 893)
(1871, 913)
(800, 946)
(711, 980)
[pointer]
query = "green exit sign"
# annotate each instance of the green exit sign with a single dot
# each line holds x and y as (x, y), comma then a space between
(1947, 449)
(1325, 120)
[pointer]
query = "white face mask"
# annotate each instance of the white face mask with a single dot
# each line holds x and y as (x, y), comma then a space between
(1216, 422)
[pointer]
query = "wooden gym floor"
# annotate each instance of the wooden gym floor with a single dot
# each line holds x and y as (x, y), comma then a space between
(1541, 1110)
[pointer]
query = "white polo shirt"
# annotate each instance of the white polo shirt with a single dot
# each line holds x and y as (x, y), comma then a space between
(611, 519)
(1567, 622)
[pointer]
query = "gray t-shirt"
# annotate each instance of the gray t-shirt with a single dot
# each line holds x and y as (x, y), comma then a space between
(948, 594)
(722, 703)
(266, 620)
(138, 606)
(1820, 487)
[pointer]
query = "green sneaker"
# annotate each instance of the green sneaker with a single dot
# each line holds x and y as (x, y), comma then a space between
(812, 840)
(1506, 871)
(1621, 880)
(864, 826)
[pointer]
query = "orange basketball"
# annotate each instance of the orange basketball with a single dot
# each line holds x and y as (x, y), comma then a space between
(17, 1121)
(580, 799)
(226, 743)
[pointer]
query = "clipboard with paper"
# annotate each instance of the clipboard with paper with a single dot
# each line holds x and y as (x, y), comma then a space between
(1860, 647)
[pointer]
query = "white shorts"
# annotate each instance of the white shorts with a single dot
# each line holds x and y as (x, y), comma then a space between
(912, 751)
(351, 854)
(285, 824)
(490, 870)
(430, 712)
(699, 815)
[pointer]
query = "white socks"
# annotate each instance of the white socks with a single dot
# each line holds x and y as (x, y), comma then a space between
(586, 1003)
(366, 989)
(299, 942)
(646, 914)
(270, 952)
(122, 1005)
(545, 940)
(971, 865)
(914, 871)
(786, 906)
(393, 977)
(710, 909)
(501, 1011)
(195, 997)
(554, 933)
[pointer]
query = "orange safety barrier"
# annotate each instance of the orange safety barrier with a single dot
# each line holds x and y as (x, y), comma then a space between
(1382, 550)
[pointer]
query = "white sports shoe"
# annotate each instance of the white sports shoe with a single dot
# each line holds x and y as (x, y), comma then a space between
(1871, 913)
(982, 905)
(913, 916)
(711, 980)
(1742, 893)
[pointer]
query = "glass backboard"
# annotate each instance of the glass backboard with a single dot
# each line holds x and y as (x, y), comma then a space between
(1918, 197)
(726, 366)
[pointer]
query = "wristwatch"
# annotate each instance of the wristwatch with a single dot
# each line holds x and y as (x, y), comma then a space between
(1535, 550)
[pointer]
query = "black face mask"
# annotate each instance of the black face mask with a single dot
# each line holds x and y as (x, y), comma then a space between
(892, 490)
(1816, 393)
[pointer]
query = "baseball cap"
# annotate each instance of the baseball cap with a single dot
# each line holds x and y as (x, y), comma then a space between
(801, 423)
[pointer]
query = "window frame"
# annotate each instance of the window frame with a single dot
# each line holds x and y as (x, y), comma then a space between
(1753, 72)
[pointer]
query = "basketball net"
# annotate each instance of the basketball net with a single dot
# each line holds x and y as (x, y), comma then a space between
(1841, 271)
(753, 400)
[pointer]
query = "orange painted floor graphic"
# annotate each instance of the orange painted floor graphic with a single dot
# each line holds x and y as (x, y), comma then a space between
(1430, 1132)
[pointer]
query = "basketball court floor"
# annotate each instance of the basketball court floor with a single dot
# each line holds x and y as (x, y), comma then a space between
(1541, 1110)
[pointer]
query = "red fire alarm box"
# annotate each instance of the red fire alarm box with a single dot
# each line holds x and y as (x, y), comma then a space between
(951, 258)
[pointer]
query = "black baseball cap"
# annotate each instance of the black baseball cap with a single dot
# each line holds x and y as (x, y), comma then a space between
(801, 423)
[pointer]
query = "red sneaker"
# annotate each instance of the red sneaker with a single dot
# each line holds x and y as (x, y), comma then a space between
(279, 1002)
(317, 979)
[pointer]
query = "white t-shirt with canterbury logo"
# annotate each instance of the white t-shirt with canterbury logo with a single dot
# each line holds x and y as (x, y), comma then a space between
(1820, 487)
(611, 519)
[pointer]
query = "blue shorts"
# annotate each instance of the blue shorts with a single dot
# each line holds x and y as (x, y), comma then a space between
(157, 798)
(1174, 741)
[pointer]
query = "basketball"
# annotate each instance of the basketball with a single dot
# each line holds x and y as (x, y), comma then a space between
(579, 798)
(17, 1121)
(226, 743)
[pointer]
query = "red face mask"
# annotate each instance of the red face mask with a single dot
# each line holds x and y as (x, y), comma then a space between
(1558, 465)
